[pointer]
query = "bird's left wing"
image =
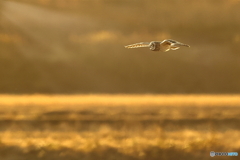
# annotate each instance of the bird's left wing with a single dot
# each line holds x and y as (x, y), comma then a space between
(138, 45)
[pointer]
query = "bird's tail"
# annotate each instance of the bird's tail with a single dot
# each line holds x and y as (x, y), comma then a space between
(138, 45)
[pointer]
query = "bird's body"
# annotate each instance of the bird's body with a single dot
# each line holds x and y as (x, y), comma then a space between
(164, 45)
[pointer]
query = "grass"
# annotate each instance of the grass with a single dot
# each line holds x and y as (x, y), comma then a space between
(118, 126)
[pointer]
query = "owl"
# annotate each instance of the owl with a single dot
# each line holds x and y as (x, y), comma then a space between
(165, 45)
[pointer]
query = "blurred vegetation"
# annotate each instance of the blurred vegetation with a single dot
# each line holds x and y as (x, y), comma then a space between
(76, 46)
(136, 127)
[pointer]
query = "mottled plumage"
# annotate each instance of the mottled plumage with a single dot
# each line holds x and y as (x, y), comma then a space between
(164, 45)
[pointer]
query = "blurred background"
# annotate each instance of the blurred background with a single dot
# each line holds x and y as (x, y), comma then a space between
(77, 46)
(70, 90)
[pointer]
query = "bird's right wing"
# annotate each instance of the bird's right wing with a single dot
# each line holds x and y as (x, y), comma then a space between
(176, 43)
(138, 45)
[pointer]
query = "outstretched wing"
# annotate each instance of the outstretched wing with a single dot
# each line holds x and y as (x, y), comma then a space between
(164, 45)
(175, 44)
(138, 45)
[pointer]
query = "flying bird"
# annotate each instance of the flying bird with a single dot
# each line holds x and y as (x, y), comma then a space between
(164, 45)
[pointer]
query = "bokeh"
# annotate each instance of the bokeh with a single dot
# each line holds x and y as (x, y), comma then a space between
(77, 46)
(70, 90)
